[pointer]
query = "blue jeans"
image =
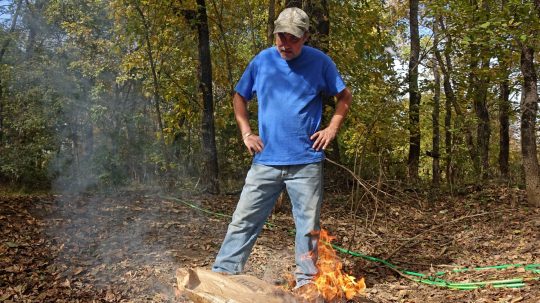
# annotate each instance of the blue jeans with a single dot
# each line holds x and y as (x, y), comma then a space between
(261, 190)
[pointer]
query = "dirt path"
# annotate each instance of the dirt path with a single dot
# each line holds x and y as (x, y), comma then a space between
(125, 247)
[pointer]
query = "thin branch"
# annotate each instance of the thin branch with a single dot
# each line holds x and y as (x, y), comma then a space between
(181, 88)
(356, 178)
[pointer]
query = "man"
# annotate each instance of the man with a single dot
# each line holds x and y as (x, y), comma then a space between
(288, 80)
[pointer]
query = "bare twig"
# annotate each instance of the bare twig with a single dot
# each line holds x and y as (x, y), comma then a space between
(362, 183)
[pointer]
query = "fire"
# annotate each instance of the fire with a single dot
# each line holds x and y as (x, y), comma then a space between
(331, 281)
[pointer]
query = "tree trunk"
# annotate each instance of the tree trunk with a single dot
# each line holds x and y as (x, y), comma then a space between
(471, 95)
(478, 88)
(448, 140)
(460, 121)
(319, 14)
(414, 94)
(450, 99)
(33, 27)
(271, 17)
(436, 111)
(435, 118)
(504, 131)
(210, 163)
(293, 3)
(504, 113)
(529, 108)
(483, 133)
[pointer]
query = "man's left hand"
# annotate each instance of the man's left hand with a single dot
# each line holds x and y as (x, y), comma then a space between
(323, 138)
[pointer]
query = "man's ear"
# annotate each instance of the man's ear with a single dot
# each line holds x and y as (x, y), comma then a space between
(306, 37)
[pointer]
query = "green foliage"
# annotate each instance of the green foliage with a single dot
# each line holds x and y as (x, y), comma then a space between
(107, 92)
(362, 45)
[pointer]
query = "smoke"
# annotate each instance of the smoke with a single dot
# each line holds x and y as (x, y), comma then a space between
(96, 138)
(114, 243)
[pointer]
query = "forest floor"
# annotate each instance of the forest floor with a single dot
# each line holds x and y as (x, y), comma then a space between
(126, 246)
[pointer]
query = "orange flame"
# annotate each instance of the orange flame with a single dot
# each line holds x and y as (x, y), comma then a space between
(331, 281)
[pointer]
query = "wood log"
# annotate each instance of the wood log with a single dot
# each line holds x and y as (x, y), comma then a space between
(204, 286)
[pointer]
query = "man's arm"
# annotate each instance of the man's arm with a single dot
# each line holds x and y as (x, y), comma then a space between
(324, 137)
(252, 141)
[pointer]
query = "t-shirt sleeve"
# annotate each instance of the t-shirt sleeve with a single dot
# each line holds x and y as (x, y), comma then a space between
(246, 85)
(334, 82)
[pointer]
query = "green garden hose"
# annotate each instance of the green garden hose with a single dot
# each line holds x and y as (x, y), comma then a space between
(433, 279)
(436, 281)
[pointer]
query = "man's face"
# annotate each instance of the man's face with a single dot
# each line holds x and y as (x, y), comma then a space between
(289, 46)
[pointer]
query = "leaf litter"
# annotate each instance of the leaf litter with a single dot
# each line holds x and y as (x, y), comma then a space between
(126, 246)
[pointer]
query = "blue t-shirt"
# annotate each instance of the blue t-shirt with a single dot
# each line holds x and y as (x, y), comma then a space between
(289, 97)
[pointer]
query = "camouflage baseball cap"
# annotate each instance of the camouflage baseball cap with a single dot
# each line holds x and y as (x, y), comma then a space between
(292, 20)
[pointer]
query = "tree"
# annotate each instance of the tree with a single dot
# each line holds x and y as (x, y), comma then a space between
(479, 80)
(504, 122)
(210, 163)
(30, 84)
(529, 109)
(524, 27)
(450, 99)
(435, 122)
(153, 69)
(414, 93)
(5, 45)
(133, 98)
(271, 17)
(505, 63)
